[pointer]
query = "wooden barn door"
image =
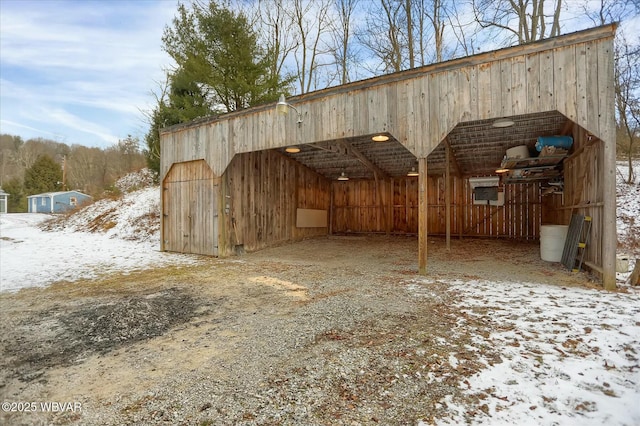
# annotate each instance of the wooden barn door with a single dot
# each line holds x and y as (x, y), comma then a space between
(190, 209)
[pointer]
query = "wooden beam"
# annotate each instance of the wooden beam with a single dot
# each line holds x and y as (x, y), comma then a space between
(331, 208)
(447, 195)
(354, 152)
(422, 216)
(609, 234)
(390, 207)
(567, 130)
(452, 157)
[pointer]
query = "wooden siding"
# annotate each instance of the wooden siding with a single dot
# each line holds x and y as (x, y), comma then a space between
(264, 189)
(419, 107)
(360, 207)
(584, 189)
(190, 209)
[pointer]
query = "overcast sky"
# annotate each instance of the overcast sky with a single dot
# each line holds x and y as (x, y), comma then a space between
(81, 72)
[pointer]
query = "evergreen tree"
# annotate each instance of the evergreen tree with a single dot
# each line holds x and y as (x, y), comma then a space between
(44, 176)
(220, 68)
(162, 116)
(16, 202)
(219, 58)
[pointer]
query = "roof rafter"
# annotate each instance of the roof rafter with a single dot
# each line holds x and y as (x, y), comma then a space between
(354, 152)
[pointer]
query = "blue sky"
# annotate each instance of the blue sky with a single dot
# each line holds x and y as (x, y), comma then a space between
(80, 72)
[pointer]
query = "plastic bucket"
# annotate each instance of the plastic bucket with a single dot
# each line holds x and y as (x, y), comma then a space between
(622, 263)
(552, 238)
(518, 152)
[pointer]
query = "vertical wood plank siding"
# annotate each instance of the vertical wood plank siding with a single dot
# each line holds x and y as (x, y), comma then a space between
(519, 80)
(190, 209)
(571, 74)
(358, 208)
(265, 189)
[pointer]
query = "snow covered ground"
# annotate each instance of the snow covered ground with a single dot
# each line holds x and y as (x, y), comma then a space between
(128, 241)
(571, 356)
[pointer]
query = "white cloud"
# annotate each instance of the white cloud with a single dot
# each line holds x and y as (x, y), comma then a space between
(86, 67)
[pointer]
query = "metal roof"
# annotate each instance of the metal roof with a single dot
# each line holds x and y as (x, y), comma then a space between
(53, 194)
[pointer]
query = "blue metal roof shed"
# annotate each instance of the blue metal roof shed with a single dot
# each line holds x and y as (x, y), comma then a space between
(56, 202)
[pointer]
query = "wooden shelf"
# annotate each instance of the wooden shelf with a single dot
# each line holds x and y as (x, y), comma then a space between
(524, 163)
(522, 170)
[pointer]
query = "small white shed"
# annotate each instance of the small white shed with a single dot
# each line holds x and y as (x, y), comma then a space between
(3, 201)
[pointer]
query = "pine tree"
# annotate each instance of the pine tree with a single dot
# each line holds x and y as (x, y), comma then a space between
(16, 202)
(219, 59)
(44, 176)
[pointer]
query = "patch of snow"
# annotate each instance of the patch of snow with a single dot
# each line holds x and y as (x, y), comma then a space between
(31, 257)
(141, 179)
(569, 355)
(109, 236)
(628, 215)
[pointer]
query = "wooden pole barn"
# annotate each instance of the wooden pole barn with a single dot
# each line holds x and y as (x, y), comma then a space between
(229, 183)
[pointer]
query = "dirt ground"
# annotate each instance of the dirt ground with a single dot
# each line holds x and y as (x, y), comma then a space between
(317, 332)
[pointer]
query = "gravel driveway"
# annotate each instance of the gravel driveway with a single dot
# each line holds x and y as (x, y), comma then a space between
(322, 332)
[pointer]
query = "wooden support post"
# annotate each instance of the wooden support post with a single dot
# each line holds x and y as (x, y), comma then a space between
(390, 207)
(219, 185)
(447, 195)
(163, 208)
(609, 232)
(634, 279)
(452, 157)
(461, 205)
(331, 208)
(422, 216)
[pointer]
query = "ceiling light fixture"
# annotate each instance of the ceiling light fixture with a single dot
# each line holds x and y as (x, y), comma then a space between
(502, 171)
(413, 172)
(380, 138)
(503, 122)
(343, 176)
(282, 108)
(292, 149)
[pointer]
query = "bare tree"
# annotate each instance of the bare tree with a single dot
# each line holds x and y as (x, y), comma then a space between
(438, 24)
(83, 167)
(627, 90)
(409, 20)
(343, 52)
(311, 20)
(464, 32)
(276, 31)
(607, 11)
(384, 35)
(531, 21)
(404, 34)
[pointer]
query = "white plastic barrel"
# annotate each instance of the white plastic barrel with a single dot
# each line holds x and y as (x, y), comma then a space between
(552, 238)
(622, 263)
